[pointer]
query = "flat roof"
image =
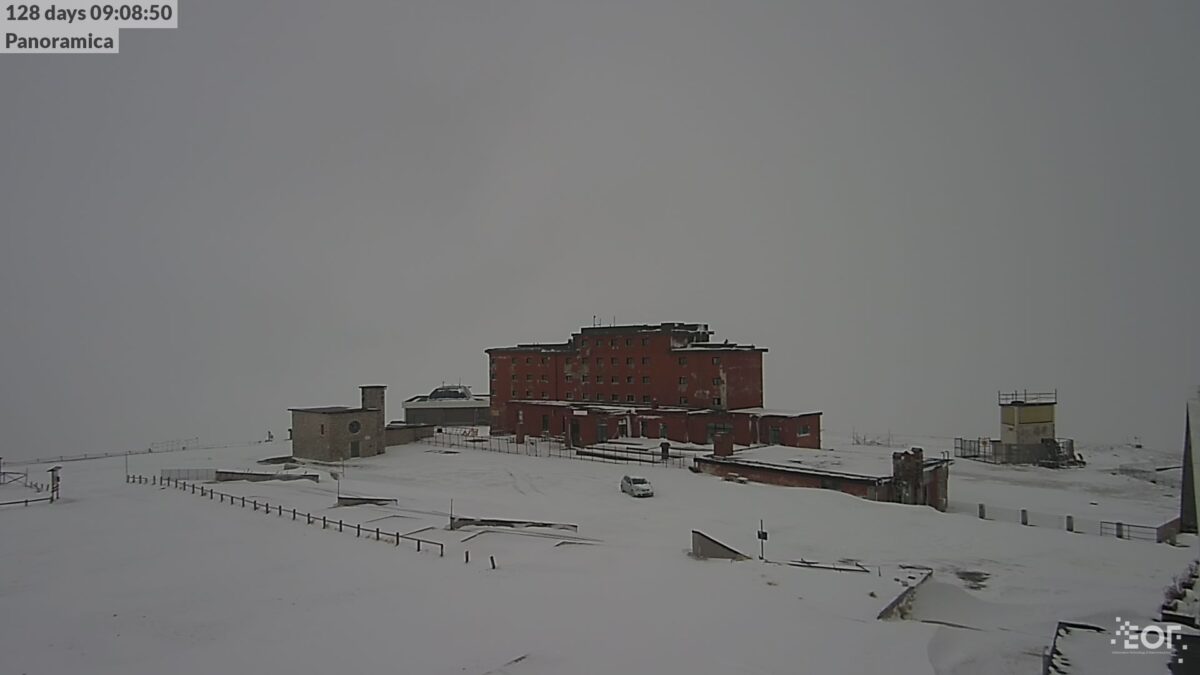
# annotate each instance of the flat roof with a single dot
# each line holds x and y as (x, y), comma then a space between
(718, 347)
(858, 464)
(329, 409)
(851, 463)
(694, 329)
(645, 410)
(424, 402)
(774, 412)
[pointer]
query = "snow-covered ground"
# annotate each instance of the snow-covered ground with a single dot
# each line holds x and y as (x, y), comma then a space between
(120, 578)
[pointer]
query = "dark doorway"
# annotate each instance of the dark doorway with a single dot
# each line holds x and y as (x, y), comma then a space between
(354, 451)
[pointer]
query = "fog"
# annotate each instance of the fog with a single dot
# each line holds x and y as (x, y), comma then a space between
(910, 204)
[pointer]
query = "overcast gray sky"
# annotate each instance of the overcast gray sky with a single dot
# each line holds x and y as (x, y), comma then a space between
(911, 204)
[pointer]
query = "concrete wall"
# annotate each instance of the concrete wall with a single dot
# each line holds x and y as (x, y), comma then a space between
(859, 488)
(407, 434)
(704, 546)
(310, 435)
(457, 416)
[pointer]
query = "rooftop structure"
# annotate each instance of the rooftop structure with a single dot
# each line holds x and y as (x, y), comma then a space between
(448, 405)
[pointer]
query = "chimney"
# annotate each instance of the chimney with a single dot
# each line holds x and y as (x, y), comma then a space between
(723, 445)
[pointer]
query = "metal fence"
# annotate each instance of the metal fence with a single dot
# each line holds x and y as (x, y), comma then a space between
(156, 448)
(280, 512)
(535, 446)
(1068, 523)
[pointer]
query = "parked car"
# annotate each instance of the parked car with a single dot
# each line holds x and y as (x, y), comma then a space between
(636, 486)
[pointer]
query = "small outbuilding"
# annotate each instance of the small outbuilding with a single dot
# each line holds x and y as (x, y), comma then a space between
(332, 433)
(906, 477)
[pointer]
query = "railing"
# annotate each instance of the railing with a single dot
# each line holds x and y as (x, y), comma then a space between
(1026, 396)
(169, 446)
(7, 477)
(1069, 523)
(279, 511)
(535, 446)
(27, 502)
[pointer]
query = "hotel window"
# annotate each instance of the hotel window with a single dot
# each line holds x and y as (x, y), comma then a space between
(528, 377)
(570, 377)
(586, 377)
(615, 379)
(615, 398)
(645, 398)
(629, 379)
(599, 361)
(614, 360)
(514, 393)
(645, 341)
(586, 396)
(612, 342)
(629, 361)
(716, 380)
(629, 397)
(717, 401)
(514, 376)
(528, 394)
(528, 360)
(545, 395)
(544, 379)
(683, 380)
(683, 360)
(570, 396)
(583, 342)
(804, 431)
(645, 360)
(716, 360)
(628, 342)
(682, 400)
(645, 379)
(545, 360)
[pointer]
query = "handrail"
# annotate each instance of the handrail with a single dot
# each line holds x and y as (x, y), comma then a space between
(309, 518)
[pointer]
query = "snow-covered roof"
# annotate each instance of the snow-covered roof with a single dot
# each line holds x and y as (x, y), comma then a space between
(717, 347)
(328, 410)
(865, 465)
(421, 402)
(773, 412)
